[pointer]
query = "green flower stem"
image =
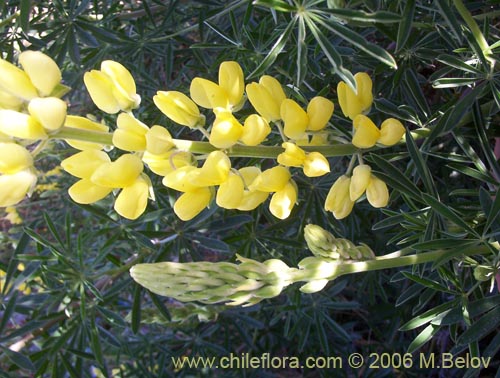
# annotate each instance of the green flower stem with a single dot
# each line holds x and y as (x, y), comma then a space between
(83, 135)
(471, 23)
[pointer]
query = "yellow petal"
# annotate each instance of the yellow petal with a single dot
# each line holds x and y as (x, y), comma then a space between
(295, 119)
(123, 87)
(293, 156)
(190, 204)
(49, 111)
(158, 140)
(178, 107)
(15, 81)
(263, 102)
(130, 134)
(232, 81)
(85, 191)
(364, 89)
(226, 130)
(14, 187)
(118, 174)
(249, 174)
(181, 179)
(377, 192)
(230, 192)
(353, 103)
(83, 164)
(282, 201)
(9, 101)
(274, 87)
(83, 123)
(215, 170)
(366, 133)
(20, 125)
(255, 130)
(338, 200)
(319, 111)
(391, 132)
(252, 199)
(271, 180)
(14, 158)
(100, 88)
(360, 179)
(316, 165)
(167, 162)
(42, 71)
(207, 94)
(133, 199)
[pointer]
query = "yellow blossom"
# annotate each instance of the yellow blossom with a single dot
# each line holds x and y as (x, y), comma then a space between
(255, 130)
(252, 198)
(391, 132)
(274, 87)
(294, 118)
(360, 180)
(214, 171)
(319, 112)
(338, 200)
(181, 179)
(50, 112)
(266, 97)
(130, 134)
(83, 123)
(179, 108)
(42, 71)
(14, 187)
(133, 199)
(366, 134)
(315, 165)
(293, 156)
(230, 192)
(16, 82)
(283, 200)
(164, 163)
(232, 81)
(84, 191)
(377, 192)
(191, 203)
(158, 140)
(353, 103)
(14, 158)
(226, 130)
(118, 174)
(9, 101)
(271, 180)
(20, 125)
(208, 94)
(83, 164)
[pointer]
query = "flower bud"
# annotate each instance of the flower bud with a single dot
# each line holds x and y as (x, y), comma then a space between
(14, 187)
(230, 192)
(232, 81)
(226, 130)
(319, 112)
(377, 192)
(282, 201)
(118, 174)
(366, 133)
(179, 108)
(207, 94)
(49, 111)
(20, 125)
(295, 119)
(314, 286)
(15, 81)
(42, 71)
(83, 123)
(158, 140)
(293, 156)
(391, 132)
(14, 158)
(353, 103)
(315, 165)
(191, 203)
(255, 130)
(338, 200)
(130, 134)
(319, 241)
(85, 191)
(133, 199)
(360, 179)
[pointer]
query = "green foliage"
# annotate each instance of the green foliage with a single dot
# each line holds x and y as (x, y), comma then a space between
(72, 310)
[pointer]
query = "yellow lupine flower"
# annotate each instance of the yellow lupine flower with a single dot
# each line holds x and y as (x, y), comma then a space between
(9, 101)
(214, 171)
(319, 112)
(42, 71)
(14, 187)
(315, 165)
(15, 81)
(338, 200)
(282, 201)
(226, 130)
(130, 134)
(293, 156)
(191, 203)
(14, 158)
(50, 112)
(112, 88)
(179, 108)
(361, 176)
(232, 81)
(83, 123)
(84, 191)
(366, 134)
(230, 192)
(132, 200)
(353, 103)
(251, 198)
(118, 174)
(181, 179)
(255, 130)
(271, 180)
(163, 164)
(83, 164)
(158, 140)
(295, 119)
(274, 87)
(263, 101)
(20, 125)
(391, 132)
(377, 192)
(208, 94)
